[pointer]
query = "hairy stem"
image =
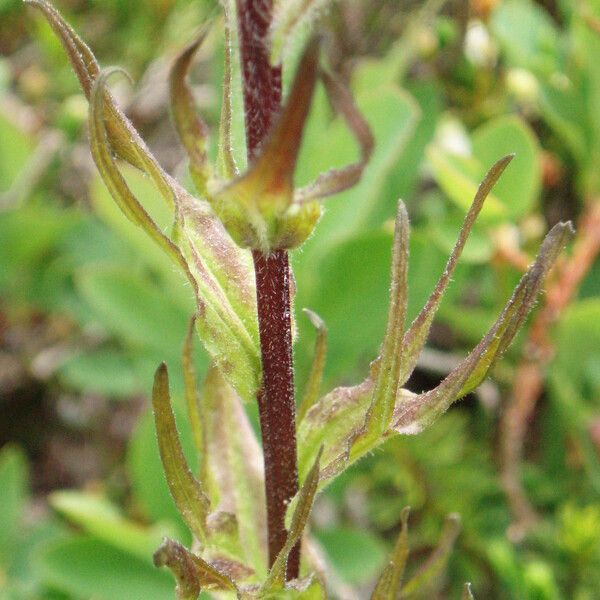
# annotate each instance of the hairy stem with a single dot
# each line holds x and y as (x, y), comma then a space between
(262, 101)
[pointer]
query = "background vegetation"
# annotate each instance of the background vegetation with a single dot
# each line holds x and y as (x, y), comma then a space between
(88, 307)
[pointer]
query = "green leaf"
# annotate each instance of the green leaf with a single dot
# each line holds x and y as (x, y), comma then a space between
(577, 339)
(527, 35)
(187, 492)
(148, 253)
(14, 484)
(416, 412)
(101, 519)
(356, 555)
(150, 491)
(387, 368)
(426, 581)
(106, 372)
(315, 378)
(86, 567)
(15, 149)
(517, 192)
(416, 336)
(332, 423)
(190, 127)
(133, 308)
(236, 481)
(388, 585)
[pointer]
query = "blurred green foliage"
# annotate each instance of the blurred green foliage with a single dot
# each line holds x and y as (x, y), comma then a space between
(524, 80)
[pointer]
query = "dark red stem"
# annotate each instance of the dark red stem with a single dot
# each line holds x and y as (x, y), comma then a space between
(262, 101)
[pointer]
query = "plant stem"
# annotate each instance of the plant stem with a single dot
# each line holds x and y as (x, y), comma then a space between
(262, 101)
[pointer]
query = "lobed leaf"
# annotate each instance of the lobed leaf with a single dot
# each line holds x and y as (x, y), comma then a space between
(416, 336)
(388, 585)
(191, 572)
(191, 129)
(187, 492)
(337, 420)
(420, 410)
(315, 377)
(335, 181)
(306, 496)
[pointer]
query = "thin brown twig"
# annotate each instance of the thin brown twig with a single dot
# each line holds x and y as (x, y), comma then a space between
(537, 354)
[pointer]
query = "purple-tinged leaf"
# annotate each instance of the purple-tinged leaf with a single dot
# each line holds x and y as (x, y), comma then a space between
(416, 336)
(184, 487)
(315, 377)
(191, 129)
(193, 574)
(335, 181)
(415, 413)
(306, 496)
(427, 578)
(256, 208)
(389, 584)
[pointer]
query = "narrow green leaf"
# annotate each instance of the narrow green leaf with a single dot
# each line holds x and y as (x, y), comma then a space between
(428, 576)
(315, 378)
(236, 478)
(191, 398)
(416, 336)
(306, 496)
(387, 368)
(116, 183)
(191, 572)
(388, 585)
(418, 411)
(185, 489)
(225, 159)
(191, 129)
(335, 181)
